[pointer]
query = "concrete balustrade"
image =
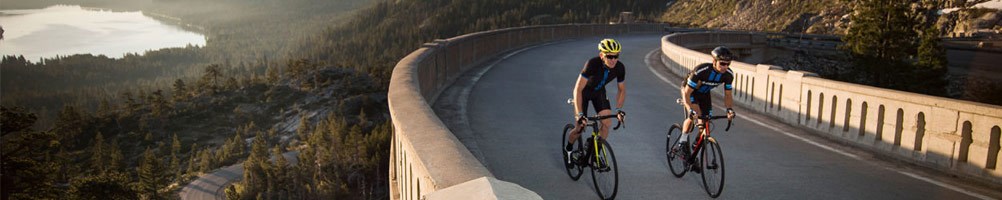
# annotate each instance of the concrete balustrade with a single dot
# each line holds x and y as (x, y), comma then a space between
(426, 158)
(954, 136)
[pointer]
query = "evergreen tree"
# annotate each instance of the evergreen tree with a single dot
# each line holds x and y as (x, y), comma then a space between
(16, 119)
(115, 157)
(175, 162)
(159, 103)
(26, 172)
(69, 125)
(152, 176)
(239, 145)
(180, 91)
(206, 162)
(192, 158)
(210, 78)
(931, 65)
(303, 128)
(280, 172)
(883, 41)
(98, 159)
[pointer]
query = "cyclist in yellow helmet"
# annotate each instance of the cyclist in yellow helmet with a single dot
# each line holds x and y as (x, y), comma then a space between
(590, 87)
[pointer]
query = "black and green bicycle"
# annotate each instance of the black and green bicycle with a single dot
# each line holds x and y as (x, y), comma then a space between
(598, 156)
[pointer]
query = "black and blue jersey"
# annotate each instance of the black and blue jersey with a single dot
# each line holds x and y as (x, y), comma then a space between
(704, 78)
(598, 75)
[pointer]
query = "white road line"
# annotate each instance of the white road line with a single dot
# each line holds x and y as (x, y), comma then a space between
(760, 123)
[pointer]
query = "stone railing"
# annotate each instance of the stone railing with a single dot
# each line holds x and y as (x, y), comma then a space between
(957, 137)
(425, 156)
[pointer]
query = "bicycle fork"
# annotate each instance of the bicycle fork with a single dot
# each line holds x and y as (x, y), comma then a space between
(597, 152)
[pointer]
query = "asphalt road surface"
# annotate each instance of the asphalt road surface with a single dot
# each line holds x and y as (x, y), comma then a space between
(510, 113)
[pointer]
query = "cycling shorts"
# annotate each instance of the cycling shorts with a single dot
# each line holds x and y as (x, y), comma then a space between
(597, 99)
(705, 104)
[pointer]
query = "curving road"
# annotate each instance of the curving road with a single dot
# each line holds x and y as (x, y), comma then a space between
(510, 114)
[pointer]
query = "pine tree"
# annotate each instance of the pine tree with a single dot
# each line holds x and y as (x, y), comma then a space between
(883, 40)
(303, 128)
(210, 78)
(280, 171)
(207, 163)
(192, 158)
(115, 157)
(180, 91)
(159, 103)
(152, 176)
(175, 162)
(26, 172)
(98, 152)
(69, 125)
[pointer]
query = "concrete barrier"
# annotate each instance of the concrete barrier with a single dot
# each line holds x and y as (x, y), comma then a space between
(426, 157)
(954, 136)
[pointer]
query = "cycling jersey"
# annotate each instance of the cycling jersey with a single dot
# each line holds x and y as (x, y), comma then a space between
(598, 76)
(703, 79)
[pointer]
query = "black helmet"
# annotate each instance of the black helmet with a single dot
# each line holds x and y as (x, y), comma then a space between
(722, 53)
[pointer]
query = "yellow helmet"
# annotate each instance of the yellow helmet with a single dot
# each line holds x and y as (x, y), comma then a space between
(609, 46)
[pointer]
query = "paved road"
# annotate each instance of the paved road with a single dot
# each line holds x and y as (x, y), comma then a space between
(981, 64)
(213, 185)
(511, 114)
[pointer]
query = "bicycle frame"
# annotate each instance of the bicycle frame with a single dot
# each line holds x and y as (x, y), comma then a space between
(704, 134)
(596, 123)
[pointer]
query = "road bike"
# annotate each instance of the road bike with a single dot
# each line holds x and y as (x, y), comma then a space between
(599, 157)
(709, 163)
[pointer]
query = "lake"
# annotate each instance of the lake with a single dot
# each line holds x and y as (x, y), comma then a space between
(69, 29)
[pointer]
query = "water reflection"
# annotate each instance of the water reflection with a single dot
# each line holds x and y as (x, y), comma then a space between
(67, 30)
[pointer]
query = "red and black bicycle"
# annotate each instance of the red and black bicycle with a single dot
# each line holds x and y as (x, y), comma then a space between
(710, 160)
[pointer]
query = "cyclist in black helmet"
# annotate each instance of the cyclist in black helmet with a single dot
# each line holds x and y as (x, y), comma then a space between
(590, 87)
(696, 90)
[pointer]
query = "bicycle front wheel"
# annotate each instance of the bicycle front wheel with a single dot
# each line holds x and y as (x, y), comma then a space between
(604, 171)
(673, 152)
(575, 170)
(712, 165)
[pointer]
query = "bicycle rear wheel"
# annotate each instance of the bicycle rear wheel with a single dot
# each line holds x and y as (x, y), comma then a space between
(673, 152)
(712, 165)
(604, 171)
(575, 170)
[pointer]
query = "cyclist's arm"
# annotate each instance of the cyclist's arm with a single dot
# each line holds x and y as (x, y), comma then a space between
(578, 87)
(728, 98)
(622, 95)
(686, 97)
(729, 94)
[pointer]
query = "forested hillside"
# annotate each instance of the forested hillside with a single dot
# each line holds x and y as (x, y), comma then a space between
(243, 37)
(137, 127)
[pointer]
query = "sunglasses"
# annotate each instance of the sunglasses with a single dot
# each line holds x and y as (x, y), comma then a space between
(612, 56)
(725, 63)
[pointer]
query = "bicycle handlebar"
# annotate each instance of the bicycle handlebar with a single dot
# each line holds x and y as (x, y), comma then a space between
(601, 117)
(729, 122)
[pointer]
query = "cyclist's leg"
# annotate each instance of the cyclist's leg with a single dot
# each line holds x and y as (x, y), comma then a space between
(578, 128)
(687, 125)
(604, 108)
(706, 105)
